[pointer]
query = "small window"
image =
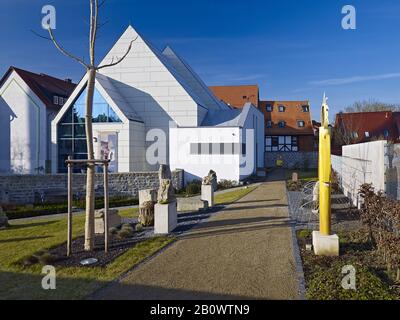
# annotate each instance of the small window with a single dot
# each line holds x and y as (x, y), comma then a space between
(282, 124)
(301, 123)
(366, 134)
(386, 133)
(244, 97)
(355, 135)
(282, 108)
(269, 124)
(306, 108)
(61, 101)
(55, 100)
(268, 108)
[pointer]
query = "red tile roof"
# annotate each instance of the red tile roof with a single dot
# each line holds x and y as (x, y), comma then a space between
(43, 85)
(237, 96)
(373, 123)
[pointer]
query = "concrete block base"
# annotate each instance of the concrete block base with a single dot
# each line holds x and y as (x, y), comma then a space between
(207, 194)
(325, 245)
(165, 218)
(114, 220)
(191, 204)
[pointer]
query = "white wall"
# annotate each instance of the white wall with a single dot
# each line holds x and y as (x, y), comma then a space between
(23, 128)
(198, 166)
(363, 163)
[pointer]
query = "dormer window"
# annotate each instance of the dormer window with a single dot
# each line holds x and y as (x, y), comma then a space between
(55, 100)
(61, 101)
(306, 108)
(268, 108)
(269, 124)
(282, 124)
(301, 123)
(282, 108)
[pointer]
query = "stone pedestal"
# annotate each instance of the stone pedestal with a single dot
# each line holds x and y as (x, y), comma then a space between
(147, 195)
(207, 194)
(114, 220)
(165, 218)
(325, 245)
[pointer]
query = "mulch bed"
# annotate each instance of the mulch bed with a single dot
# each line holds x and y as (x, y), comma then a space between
(116, 248)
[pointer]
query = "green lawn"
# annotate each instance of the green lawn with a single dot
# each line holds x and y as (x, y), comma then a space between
(232, 196)
(129, 213)
(24, 239)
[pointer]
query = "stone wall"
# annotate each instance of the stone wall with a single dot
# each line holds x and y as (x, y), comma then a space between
(28, 189)
(293, 160)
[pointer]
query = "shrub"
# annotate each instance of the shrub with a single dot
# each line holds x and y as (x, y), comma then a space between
(29, 261)
(304, 234)
(382, 216)
(113, 231)
(124, 233)
(47, 258)
(193, 188)
(227, 184)
(139, 227)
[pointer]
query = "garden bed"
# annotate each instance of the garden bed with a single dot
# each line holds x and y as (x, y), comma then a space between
(324, 275)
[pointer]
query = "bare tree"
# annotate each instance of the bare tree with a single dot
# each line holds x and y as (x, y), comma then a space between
(371, 106)
(346, 132)
(91, 70)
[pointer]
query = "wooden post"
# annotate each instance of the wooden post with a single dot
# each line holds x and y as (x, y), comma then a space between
(70, 198)
(105, 169)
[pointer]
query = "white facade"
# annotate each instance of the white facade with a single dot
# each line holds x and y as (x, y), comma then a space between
(152, 91)
(25, 128)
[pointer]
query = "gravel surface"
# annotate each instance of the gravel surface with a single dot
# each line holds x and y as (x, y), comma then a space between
(245, 251)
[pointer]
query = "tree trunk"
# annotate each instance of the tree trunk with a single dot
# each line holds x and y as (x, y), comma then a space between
(90, 195)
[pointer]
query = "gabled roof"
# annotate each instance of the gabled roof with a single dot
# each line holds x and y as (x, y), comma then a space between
(43, 85)
(237, 96)
(227, 118)
(118, 100)
(375, 123)
(193, 80)
(292, 114)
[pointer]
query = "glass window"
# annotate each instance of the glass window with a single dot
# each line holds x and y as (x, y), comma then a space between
(306, 108)
(281, 143)
(386, 133)
(71, 129)
(281, 108)
(282, 124)
(268, 108)
(301, 123)
(269, 124)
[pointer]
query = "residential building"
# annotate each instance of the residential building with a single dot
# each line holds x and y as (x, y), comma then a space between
(153, 109)
(353, 128)
(237, 96)
(289, 133)
(28, 104)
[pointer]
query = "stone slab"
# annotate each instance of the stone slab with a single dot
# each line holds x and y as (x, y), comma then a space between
(325, 245)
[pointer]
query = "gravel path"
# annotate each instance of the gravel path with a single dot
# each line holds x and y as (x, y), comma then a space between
(243, 252)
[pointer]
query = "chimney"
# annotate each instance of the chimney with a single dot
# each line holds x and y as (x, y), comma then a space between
(68, 80)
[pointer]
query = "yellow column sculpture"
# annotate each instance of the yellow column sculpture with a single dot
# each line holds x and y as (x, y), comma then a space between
(324, 242)
(324, 171)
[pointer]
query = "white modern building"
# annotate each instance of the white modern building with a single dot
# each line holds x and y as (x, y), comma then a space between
(149, 107)
(28, 104)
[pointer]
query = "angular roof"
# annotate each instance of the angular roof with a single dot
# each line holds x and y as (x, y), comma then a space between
(193, 80)
(227, 118)
(43, 85)
(237, 96)
(375, 123)
(117, 99)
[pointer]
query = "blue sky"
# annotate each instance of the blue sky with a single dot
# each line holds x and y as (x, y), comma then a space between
(293, 49)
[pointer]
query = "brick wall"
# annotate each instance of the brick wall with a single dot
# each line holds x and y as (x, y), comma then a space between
(26, 189)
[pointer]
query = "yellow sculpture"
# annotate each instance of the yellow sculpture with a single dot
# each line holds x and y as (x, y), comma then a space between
(324, 243)
(324, 171)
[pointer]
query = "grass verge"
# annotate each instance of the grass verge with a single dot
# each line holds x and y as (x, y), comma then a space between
(23, 239)
(232, 196)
